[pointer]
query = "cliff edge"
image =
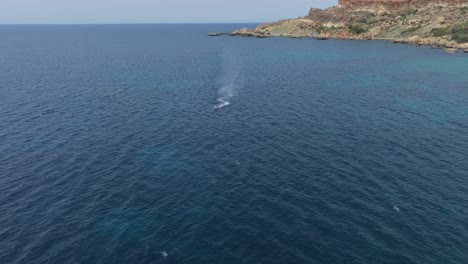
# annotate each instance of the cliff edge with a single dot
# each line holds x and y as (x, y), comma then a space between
(439, 23)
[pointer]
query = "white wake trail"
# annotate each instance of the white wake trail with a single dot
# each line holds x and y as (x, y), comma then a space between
(229, 80)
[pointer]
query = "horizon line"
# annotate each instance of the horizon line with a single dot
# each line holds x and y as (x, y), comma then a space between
(127, 23)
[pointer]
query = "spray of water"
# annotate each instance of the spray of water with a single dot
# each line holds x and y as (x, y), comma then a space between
(229, 80)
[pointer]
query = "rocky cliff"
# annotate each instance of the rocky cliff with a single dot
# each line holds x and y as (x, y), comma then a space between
(440, 23)
(394, 5)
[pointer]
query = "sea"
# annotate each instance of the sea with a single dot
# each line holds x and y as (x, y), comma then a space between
(156, 143)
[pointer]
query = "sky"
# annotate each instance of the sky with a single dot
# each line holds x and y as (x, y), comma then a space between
(152, 11)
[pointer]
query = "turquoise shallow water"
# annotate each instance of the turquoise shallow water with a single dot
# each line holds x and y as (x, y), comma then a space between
(328, 152)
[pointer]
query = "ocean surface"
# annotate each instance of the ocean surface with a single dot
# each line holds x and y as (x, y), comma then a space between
(333, 151)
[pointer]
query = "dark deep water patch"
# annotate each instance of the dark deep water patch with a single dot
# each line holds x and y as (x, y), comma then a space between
(111, 151)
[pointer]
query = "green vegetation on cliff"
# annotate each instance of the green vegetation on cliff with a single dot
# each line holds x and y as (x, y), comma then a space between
(356, 29)
(460, 32)
(438, 26)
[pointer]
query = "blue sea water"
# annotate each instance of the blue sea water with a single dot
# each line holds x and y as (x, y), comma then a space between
(333, 151)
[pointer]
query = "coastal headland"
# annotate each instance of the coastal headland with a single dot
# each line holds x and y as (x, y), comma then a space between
(437, 23)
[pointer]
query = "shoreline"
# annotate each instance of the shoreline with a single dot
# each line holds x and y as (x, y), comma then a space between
(438, 26)
(447, 46)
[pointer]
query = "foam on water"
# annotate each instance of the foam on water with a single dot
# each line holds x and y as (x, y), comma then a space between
(229, 79)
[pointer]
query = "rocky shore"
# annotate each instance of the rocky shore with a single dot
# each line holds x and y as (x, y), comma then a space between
(433, 23)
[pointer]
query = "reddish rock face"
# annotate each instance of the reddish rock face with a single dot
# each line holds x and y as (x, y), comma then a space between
(397, 4)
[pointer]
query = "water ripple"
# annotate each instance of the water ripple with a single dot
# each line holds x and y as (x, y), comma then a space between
(112, 153)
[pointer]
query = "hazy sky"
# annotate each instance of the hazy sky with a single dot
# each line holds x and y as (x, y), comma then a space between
(152, 11)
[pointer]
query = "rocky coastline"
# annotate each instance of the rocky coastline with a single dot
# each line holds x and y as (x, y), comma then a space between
(434, 23)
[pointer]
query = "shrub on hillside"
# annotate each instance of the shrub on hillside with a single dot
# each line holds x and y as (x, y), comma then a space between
(356, 29)
(460, 38)
(460, 32)
(460, 28)
(439, 32)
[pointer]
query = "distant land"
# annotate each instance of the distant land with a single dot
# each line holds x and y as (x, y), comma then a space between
(438, 23)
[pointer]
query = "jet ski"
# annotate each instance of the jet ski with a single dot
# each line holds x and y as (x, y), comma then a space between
(221, 104)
